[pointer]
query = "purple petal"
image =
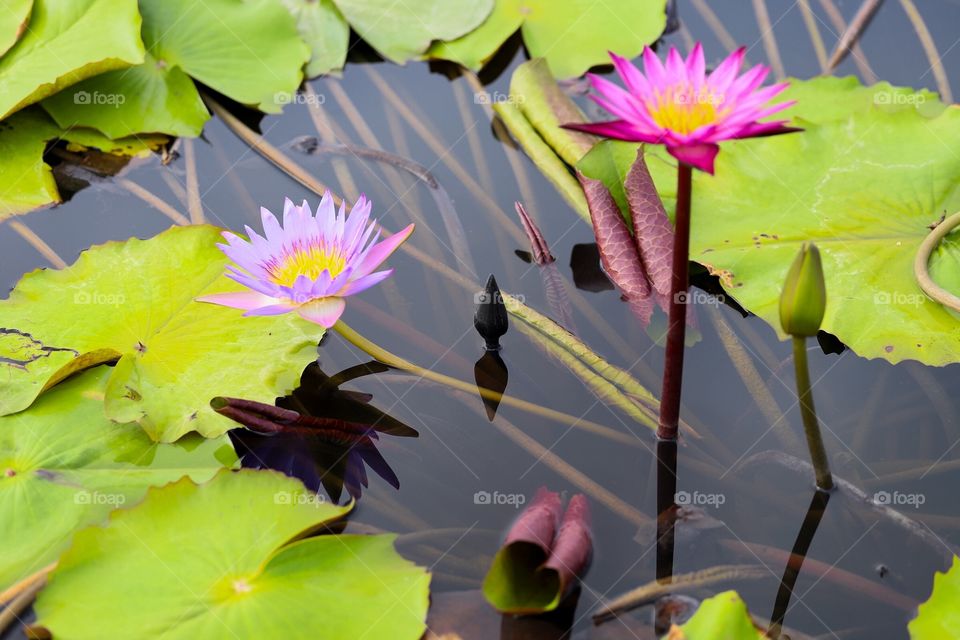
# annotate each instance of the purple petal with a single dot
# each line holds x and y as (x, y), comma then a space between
(632, 77)
(726, 71)
(380, 252)
(653, 69)
(325, 311)
(696, 66)
(361, 284)
(619, 129)
(273, 309)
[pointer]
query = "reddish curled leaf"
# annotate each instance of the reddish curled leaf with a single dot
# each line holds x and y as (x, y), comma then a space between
(538, 565)
(573, 547)
(651, 227)
(618, 252)
(538, 245)
(538, 523)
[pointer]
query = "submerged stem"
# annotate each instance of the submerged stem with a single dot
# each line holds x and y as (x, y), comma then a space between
(676, 332)
(811, 427)
(379, 353)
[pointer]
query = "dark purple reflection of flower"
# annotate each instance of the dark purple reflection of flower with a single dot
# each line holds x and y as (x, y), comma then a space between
(322, 435)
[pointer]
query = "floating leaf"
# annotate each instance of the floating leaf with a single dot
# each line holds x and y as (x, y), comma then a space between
(228, 559)
(573, 35)
(28, 181)
(248, 50)
(539, 563)
(64, 465)
(722, 617)
(939, 616)
(866, 188)
(133, 302)
(66, 42)
(828, 98)
(401, 31)
(323, 28)
(14, 17)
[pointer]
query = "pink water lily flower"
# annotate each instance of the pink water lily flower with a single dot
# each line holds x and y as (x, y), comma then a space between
(308, 265)
(678, 105)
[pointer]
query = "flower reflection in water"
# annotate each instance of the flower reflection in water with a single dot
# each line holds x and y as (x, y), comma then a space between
(323, 435)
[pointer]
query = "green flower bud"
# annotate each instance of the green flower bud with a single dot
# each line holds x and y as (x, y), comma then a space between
(804, 296)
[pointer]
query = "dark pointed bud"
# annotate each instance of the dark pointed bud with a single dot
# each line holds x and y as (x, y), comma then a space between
(804, 297)
(491, 316)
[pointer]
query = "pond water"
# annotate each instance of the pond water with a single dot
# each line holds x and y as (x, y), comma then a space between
(891, 429)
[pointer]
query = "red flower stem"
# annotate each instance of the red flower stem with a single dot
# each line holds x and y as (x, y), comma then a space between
(676, 331)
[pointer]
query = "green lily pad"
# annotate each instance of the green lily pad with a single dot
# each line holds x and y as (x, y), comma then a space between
(14, 16)
(28, 182)
(722, 617)
(864, 182)
(248, 50)
(573, 35)
(829, 98)
(403, 30)
(133, 302)
(66, 42)
(218, 561)
(324, 29)
(64, 465)
(939, 616)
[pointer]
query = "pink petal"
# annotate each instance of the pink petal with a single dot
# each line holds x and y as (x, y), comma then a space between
(361, 284)
(696, 66)
(619, 129)
(380, 252)
(699, 155)
(676, 67)
(283, 306)
(726, 71)
(245, 300)
(653, 69)
(325, 311)
(632, 77)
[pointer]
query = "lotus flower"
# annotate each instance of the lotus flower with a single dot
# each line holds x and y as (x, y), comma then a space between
(680, 106)
(310, 264)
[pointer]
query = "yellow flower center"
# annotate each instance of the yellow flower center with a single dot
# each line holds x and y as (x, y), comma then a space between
(684, 109)
(308, 261)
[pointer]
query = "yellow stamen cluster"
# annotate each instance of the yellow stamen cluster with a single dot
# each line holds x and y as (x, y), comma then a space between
(309, 261)
(684, 108)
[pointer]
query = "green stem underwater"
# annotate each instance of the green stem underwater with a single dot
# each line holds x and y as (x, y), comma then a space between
(811, 426)
(676, 331)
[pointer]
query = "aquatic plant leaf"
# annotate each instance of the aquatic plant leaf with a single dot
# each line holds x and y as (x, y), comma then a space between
(401, 31)
(64, 465)
(248, 50)
(324, 29)
(622, 169)
(133, 302)
(619, 253)
(621, 26)
(266, 579)
(830, 98)
(865, 183)
(542, 557)
(722, 617)
(13, 22)
(543, 156)
(28, 181)
(66, 42)
(939, 616)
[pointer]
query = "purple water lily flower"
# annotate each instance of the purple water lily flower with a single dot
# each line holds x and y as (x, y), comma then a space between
(679, 105)
(308, 265)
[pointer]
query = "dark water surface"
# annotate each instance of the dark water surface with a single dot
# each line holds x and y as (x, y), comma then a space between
(888, 428)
